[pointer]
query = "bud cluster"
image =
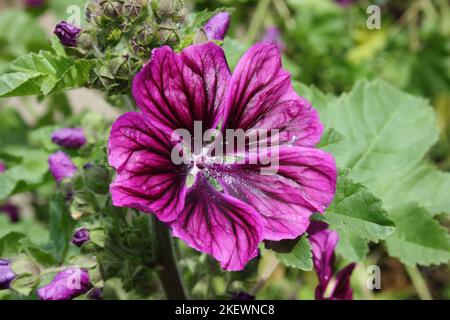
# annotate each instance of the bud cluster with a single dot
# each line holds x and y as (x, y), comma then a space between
(122, 34)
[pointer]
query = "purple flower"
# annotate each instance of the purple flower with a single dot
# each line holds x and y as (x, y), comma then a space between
(34, 3)
(323, 242)
(217, 27)
(2, 167)
(6, 274)
(222, 209)
(241, 295)
(80, 237)
(67, 33)
(69, 138)
(61, 166)
(12, 211)
(66, 285)
(273, 35)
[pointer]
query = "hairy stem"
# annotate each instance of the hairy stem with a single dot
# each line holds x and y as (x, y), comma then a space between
(167, 267)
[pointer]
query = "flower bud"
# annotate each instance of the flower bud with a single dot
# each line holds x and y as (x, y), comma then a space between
(273, 35)
(12, 212)
(112, 8)
(61, 166)
(2, 166)
(96, 294)
(168, 8)
(67, 33)
(69, 138)
(97, 178)
(66, 285)
(133, 9)
(86, 40)
(217, 27)
(6, 274)
(80, 237)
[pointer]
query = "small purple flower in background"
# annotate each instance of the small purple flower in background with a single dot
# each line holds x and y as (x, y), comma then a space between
(66, 285)
(61, 166)
(273, 35)
(217, 27)
(229, 208)
(67, 33)
(6, 274)
(80, 237)
(69, 138)
(12, 211)
(2, 167)
(34, 3)
(323, 242)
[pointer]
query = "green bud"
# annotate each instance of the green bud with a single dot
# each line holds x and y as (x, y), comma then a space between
(133, 9)
(85, 40)
(83, 204)
(168, 8)
(112, 8)
(97, 178)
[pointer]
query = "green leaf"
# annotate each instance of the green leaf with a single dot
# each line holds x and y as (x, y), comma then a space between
(356, 209)
(351, 246)
(419, 239)
(299, 256)
(11, 244)
(331, 141)
(61, 226)
(44, 73)
(12, 127)
(29, 173)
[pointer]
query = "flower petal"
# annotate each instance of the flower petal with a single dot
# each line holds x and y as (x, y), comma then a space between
(304, 183)
(260, 96)
(147, 178)
(174, 90)
(342, 289)
(219, 225)
(323, 242)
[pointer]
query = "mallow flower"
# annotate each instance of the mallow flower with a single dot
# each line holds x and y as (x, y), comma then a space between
(222, 208)
(331, 286)
(67, 33)
(72, 138)
(2, 166)
(273, 35)
(217, 27)
(66, 285)
(61, 166)
(6, 274)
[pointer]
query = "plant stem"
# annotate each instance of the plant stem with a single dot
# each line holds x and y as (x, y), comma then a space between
(166, 263)
(419, 283)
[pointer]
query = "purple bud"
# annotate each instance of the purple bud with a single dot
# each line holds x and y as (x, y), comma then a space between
(69, 138)
(217, 27)
(66, 285)
(96, 294)
(273, 35)
(2, 167)
(67, 33)
(6, 274)
(241, 295)
(12, 211)
(80, 237)
(61, 166)
(34, 3)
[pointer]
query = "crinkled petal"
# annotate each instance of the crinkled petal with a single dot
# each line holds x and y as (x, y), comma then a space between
(174, 90)
(219, 225)
(304, 182)
(260, 96)
(147, 179)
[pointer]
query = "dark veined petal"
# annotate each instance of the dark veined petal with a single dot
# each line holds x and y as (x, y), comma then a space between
(147, 179)
(342, 289)
(260, 96)
(323, 242)
(219, 225)
(303, 183)
(176, 89)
